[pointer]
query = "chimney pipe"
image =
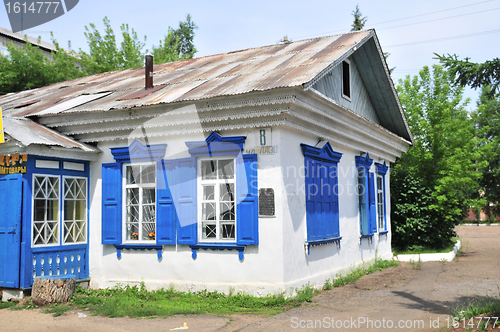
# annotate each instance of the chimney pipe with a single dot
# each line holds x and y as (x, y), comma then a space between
(149, 71)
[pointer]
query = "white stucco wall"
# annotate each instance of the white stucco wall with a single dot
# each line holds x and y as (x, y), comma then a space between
(324, 261)
(259, 273)
(278, 263)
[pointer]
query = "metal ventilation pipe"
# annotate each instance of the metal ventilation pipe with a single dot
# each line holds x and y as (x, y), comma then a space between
(149, 71)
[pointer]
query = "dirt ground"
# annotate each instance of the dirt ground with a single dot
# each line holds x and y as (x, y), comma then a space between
(401, 298)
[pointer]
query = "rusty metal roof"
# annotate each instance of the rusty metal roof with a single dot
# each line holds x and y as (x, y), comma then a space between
(257, 69)
(28, 132)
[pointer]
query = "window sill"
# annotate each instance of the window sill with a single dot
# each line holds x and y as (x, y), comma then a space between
(368, 236)
(314, 243)
(217, 246)
(120, 247)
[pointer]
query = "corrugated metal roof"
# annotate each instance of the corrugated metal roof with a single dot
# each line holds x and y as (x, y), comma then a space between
(28, 132)
(257, 69)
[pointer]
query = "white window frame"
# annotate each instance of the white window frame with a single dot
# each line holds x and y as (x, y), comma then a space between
(380, 204)
(58, 221)
(124, 204)
(350, 79)
(63, 220)
(200, 184)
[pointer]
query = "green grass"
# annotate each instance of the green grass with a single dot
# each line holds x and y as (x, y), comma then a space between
(4, 305)
(412, 250)
(358, 272)
(475, 308)
(57, 309)
(136, 301)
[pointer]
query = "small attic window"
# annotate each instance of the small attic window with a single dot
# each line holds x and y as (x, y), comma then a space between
(346, 80)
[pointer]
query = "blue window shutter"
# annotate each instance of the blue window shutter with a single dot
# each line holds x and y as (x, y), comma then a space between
(165, 209)
(247, 210)
(111, 203)
(372, 217)
(311, 201)
(185, 200)
(334, 199)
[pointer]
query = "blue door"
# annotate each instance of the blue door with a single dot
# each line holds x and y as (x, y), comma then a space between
(11, 195)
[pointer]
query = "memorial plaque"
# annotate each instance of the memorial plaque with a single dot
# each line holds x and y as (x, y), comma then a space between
(266, 202)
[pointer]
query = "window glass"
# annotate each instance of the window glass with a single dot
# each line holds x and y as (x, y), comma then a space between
(45, 210)
(75, 210)
(218, 208)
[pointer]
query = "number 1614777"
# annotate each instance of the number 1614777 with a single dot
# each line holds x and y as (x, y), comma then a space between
(34, 7)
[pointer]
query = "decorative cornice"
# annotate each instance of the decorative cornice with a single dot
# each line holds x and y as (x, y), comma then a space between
(325, 153)
(216, 143)
(139, 152)
(364, 161)
(381, 168)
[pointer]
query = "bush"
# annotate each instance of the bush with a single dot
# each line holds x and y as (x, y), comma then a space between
(414, 222)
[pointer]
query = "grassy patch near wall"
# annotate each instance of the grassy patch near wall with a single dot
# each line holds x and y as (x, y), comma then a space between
(412, 250)
(136, 301)
(358, 272)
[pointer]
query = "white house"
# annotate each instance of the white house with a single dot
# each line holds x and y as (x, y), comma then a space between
(257, 170)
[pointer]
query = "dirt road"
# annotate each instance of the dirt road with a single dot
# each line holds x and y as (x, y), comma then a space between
(399, 299)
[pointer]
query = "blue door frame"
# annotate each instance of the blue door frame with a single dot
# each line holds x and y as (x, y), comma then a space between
(11, 199)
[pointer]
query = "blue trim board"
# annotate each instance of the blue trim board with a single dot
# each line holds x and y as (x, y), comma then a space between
(139, 152)
(216, 143)
(368, 236)
(218, 246)
(120, 247)
(323, 242)
(325, 153)
(381, 168)
(364, 161)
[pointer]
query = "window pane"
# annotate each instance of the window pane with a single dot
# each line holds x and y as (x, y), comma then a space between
(227, 192)
(53, 187)
(226, 169)
(148, 174)
(80, 210)
(148, 231)
(69, 210)
(69, 230)
(379, 182)
(81, 231)
(227, 230)
(132, 214)
(148, 213)
(227, 211)
(133, 173)
(52, 230)
(39, 189)
(148, 196)
(132, 196)
(39, 210)
(208, 170)
(208, 211)
(52, 210)
(81, 185)
(208, 230)
(208, 193)
(133, 231)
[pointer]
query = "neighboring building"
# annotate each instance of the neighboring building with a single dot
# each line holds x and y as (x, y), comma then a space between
(238, 170)
(18, 39)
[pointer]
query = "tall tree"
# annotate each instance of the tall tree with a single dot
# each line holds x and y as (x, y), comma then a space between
(359, 21)
(177, 44)
(474, 74)
(488, 121)
(445, 158)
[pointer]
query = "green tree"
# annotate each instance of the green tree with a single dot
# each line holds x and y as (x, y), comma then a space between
(446, 155)
(177, 44)
(359, 21)
(488, 122)
(474, 74)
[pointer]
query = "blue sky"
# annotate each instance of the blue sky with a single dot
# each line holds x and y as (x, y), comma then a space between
(410, 30)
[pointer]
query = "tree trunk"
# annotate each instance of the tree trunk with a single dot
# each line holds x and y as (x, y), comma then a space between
(49, 290)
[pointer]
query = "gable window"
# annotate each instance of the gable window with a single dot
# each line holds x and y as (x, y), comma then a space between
(381, 205)
(140, 202)
(217, 208)
(346, 79)
(45, 210)
(321, 189)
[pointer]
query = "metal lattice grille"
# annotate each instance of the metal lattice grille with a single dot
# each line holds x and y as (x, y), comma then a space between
(45, 210)
(75, 210)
